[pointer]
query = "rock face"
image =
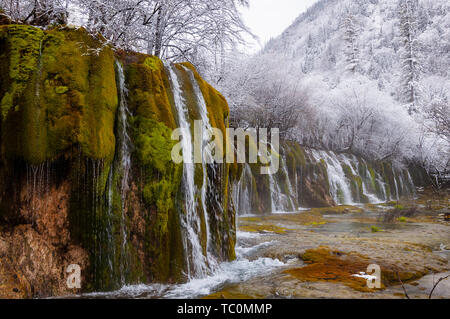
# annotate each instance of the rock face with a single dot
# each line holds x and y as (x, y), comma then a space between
(311, 178)
(86, 171)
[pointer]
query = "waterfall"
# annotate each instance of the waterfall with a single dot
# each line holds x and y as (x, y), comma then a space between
(396, 185)
(349, 162)
(242, 192)
(291, 194)
(280, 201)
(411, 184)
(124, 141)
(111, 256)
(274, 194)
(403, 191)
(339, 184)
(382, 186)
(190, 221)
(207, 158)
(351, 180)
(123, 161)
(372, 197)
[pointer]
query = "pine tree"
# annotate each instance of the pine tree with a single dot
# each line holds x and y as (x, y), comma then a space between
(409, 54)
(352, 49)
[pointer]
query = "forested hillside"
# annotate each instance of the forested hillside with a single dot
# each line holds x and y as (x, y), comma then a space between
(366, 76)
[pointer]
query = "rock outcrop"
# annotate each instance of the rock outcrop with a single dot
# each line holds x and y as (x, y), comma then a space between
(310, 178)
(86, 175)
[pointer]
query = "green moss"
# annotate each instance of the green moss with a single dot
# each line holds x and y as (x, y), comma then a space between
(375, 229)
(153, 146)
(149, 89)
(372, 177)
(59, 103)
(216, 104)
(20, 51)
(347, 171)
(50, 106)
(61, 89)
(153, 143)
(151, 102)
(295, 155)
(340, 194)
(154, 63)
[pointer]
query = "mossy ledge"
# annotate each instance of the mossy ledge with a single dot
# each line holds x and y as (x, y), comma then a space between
(59, 95)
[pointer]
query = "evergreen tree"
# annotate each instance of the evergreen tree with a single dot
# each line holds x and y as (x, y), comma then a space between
(409, 54)
(352, 49)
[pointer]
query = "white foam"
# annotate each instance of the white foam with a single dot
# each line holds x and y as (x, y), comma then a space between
(365, 276)
(245, 251)
(236, 271)
(247, 235)
(230, 272)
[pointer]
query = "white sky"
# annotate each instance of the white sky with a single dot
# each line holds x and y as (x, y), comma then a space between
(269, 18)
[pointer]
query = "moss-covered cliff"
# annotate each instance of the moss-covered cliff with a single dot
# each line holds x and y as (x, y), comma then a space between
(311, 178)
(62, 164)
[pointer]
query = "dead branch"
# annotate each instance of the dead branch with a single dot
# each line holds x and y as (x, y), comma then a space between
(436, 284)
(403, 286)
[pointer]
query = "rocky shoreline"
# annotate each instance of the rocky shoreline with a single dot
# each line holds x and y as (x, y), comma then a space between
(321, 250)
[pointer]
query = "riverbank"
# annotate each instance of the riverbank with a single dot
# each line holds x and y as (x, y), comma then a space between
(323, 248)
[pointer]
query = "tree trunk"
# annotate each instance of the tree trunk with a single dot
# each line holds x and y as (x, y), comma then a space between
(158, 34)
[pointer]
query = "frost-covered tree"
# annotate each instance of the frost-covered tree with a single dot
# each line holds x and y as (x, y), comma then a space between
(351, 39)
(36, 12)
(263, 95)
(409, 54)
(173, 29)
(310, 55)
(436, 107)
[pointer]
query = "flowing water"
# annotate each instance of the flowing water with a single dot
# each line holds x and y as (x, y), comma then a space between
(351, 181)
(207, 158)
(123, 161)
(205, 274)
(339, 184)
(191, 223)
(235, 272)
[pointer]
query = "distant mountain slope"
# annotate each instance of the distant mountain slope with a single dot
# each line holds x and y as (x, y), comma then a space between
(317, 40)
(386, 57)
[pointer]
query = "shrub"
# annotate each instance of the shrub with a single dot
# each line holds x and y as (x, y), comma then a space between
(375, 229)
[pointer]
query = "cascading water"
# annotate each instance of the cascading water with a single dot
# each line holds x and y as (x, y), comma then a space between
(282, 199)
(207, 158)
(123, 161)
(411, 184)
(196, 262)
(111, 255)
(396, 185)
(291, 196)
(351, 180)
(350, 162)
(274, 194)
(339, 185)
(242, 192)
(382, 186)
(369, 182)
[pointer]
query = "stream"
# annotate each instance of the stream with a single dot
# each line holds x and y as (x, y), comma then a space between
(269, 245)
